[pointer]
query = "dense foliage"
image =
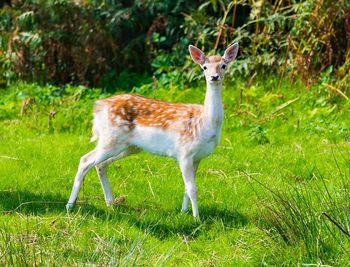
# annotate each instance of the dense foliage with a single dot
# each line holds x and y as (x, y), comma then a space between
(119, 44)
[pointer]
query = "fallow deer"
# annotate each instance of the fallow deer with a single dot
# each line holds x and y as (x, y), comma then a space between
(126, 124)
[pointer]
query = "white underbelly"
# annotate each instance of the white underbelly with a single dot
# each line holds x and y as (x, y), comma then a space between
(155, 140)
(170, 144)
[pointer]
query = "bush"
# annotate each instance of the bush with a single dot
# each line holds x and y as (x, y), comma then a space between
(99, 43)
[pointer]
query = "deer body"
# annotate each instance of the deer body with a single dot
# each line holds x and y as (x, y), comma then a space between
(127, 124)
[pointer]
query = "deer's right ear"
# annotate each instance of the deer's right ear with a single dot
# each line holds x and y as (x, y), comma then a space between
(196, 54)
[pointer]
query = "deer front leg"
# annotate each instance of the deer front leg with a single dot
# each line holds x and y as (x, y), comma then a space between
(188, 170)
(186, 198)
(184, 207)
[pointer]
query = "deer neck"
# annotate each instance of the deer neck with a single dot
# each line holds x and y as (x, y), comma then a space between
(213, 112)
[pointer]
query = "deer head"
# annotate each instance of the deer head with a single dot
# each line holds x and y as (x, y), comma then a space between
(214, 67)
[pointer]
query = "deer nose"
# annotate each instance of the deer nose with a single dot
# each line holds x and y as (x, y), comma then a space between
(215, 77)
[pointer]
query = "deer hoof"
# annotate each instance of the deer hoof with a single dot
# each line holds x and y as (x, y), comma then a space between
(69, 207)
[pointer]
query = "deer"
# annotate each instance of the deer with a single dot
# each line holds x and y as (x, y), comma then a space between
(128, 123)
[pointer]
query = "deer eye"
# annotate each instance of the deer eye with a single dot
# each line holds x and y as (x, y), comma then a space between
(204, 67)
(223, 66)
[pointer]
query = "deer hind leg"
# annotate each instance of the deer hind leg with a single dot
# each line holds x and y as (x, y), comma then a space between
(102, 174)
(87, 162)
(188, 169)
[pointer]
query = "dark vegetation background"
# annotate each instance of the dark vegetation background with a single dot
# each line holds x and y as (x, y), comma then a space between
(282, 195)
(121, 44)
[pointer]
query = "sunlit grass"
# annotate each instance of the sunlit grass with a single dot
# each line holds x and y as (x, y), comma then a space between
(261, 194)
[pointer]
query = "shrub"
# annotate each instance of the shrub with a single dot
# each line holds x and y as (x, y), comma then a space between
(98, 43)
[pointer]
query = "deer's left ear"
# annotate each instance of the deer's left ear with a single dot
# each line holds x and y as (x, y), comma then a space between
(231, 52)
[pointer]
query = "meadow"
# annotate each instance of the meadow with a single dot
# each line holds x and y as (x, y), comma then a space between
(275, 191)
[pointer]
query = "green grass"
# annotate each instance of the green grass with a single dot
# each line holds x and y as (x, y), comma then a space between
(264, 195)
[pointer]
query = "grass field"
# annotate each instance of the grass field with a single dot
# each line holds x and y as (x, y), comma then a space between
(275, 192)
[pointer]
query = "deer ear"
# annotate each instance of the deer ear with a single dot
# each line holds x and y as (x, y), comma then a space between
(231, 52)
(196, 54)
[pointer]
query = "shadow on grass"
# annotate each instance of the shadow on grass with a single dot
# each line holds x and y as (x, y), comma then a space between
(164, 223)
(28, 203)
(158, 222)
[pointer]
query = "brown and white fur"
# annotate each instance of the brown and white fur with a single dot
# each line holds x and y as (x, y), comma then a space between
(126, 124)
